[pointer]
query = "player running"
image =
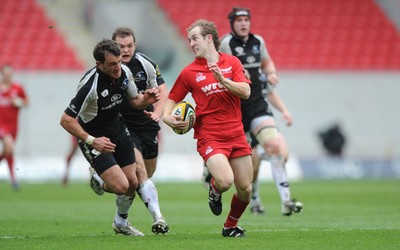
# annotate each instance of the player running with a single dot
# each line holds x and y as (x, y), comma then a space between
(217, 83)
(257, 115)
(103, 137)
(12, 99)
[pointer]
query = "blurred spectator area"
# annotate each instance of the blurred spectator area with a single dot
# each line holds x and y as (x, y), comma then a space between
(29, 41)
(307, 34)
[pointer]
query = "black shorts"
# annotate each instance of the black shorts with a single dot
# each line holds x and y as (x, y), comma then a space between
(146, 141)
(123, 155)
(254, 110)
(254, 141)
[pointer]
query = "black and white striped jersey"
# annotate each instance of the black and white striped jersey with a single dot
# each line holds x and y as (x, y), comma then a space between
(250, 54)
(146, 74)
(98, 100)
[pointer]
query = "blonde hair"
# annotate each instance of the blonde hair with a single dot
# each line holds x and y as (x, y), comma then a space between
(207, 28)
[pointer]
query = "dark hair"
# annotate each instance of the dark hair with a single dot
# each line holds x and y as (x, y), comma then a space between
(123, 32)
(236, 12)
(105, 46)
(206, 28)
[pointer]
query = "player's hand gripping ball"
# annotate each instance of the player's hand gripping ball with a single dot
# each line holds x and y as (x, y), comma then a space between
(186, 111)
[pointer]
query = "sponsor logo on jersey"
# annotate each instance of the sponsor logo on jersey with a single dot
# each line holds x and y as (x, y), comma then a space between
(251, 65)
(255, 50)
(140, 76)
(115, 97)
(209, 149)
(227, 70)
(158, 72)
(200, 77)
(125, 83)
(212, 88)
(72, 107)
(240, 51)
(95, 153)
(250, 59)
(115, 100)
(104, 93)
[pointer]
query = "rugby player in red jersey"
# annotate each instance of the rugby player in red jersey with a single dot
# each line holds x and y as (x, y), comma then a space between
(217, 83)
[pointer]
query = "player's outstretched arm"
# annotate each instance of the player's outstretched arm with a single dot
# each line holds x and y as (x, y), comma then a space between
(141, 101)
(277, 102)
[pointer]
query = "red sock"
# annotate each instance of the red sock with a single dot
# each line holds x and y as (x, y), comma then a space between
(68, 161)
(237, 209)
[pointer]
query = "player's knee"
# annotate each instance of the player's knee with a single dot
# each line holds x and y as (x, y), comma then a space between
(120, 187)
(267, 134)
(248, 188)
(7, 152)
(8, 148)
(133, 184)
(223, 183)
(244, 192)
(268, 137)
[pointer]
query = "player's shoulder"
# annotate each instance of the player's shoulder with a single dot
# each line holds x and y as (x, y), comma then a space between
(125, 68)
(258, 37)
(126, 71)
(229, 58)
(16, 85)
(187, 69)
(225, 41)
(226, 38)
(88, 75)
(144, 59)
(194, 65)
(89, 78)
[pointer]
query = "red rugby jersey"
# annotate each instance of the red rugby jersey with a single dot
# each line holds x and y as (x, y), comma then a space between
(218, 112)
(8, 112)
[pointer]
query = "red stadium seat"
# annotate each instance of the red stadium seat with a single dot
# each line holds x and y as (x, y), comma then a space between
(312, 34)
(27, 41)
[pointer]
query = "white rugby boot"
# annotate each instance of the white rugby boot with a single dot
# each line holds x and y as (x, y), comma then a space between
(128, 230)
(94, 183)
(160, 226)
(291, 206)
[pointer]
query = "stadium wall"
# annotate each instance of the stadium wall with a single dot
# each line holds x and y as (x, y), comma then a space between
(365, 103)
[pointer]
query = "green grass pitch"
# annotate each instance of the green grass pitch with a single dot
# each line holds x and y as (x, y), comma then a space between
(338, 214)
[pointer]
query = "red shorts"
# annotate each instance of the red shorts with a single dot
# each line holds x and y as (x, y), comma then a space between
(231, 148)
(5, 131)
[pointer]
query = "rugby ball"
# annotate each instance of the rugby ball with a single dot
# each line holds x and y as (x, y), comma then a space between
(186, 111)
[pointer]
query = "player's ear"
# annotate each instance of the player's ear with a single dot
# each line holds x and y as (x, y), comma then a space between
(209, 38)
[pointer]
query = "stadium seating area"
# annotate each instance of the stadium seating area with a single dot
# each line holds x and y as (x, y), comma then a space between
(28, 43)
(307, 34)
